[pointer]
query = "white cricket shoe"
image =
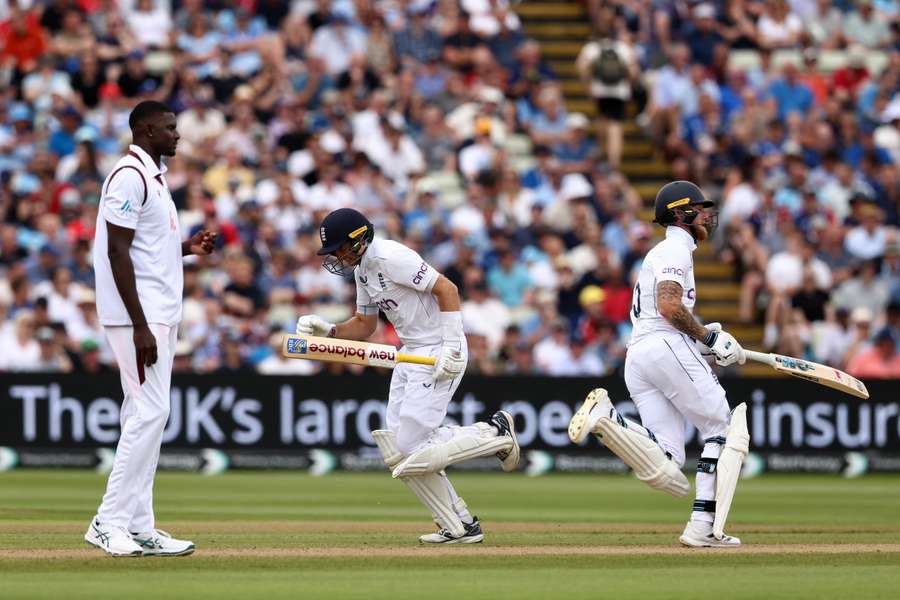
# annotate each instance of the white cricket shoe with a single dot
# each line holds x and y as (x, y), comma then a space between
(698, 534)
(160, 543)
(115, 541)
(583, 422)
(503, 421)
(473, 535)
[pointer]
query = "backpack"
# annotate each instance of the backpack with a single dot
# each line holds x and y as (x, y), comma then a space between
(608, 67)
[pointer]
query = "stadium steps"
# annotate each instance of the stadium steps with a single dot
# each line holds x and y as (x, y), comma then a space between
(562, 28)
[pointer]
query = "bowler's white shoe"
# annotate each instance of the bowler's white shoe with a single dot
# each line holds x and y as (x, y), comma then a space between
(473, 535)
(115, 541)
(595, 406)
(160, 543)
(698, 534)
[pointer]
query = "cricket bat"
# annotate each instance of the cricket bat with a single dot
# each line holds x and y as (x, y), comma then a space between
(821, 374)
(310, 347)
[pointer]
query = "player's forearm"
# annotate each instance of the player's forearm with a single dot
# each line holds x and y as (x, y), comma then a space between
(682, 320)
(668, 298)
(354, 328)
(123, 275)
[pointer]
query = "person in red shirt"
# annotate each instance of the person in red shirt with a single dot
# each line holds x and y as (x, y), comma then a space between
(846, 80)
(23, 41)
(879, 361)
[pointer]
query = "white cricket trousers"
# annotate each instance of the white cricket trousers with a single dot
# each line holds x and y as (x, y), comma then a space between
(669, 380)
(128, 501)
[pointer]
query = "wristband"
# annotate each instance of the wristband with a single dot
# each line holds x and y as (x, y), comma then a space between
(452, 326)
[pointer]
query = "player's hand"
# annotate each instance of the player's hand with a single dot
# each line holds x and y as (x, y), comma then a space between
(704, 350)
(202, 243)
(144, 346)
(725, 347)
(450, 363)
(315, 325)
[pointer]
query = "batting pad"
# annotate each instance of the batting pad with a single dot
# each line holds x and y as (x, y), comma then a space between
(430, 489)
(644, 456)
(461, 446)
(728, 469)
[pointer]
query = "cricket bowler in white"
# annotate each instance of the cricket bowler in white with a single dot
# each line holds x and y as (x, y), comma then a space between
(424, 307)
(139, 278)
(669, 379)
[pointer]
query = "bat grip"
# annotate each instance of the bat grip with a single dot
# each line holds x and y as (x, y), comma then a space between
(762, 357)
(417, 360)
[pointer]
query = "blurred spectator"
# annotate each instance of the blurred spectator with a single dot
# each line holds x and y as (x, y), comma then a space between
(880, 361)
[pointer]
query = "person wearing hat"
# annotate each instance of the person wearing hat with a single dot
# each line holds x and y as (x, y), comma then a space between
(424, 308)
(880, 361)
(89, 361)
(669, 380)
(52, 357)
(138, 252)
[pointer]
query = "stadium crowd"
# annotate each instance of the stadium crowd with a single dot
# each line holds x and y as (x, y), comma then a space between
(443, 123)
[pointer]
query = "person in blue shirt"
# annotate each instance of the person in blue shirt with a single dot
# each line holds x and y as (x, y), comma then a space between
(791, 95)
(509, 280)
(62, 141)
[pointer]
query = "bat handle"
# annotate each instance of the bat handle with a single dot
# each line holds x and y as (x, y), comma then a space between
(762, 357)
(417, 360)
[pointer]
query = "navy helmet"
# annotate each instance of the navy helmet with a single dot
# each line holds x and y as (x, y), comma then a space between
(340, 227)
(678, 202)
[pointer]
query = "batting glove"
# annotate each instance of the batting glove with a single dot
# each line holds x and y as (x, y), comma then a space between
(704, 350)
(315, 325)
(725, 347)
(450, 364)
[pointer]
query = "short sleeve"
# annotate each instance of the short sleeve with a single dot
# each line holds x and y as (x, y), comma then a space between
(124, 197)
(674, 266)
(364, 303)
(405, 267)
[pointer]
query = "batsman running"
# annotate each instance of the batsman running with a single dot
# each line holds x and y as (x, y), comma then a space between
(669, 379)
(424, 307)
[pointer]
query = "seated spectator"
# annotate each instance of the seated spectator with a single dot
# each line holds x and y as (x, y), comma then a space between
(791, 95)
(867, 240)
(417, 43)
(880, 361)
(509, 280)
(778, 27)
(864, 289)
(863, 26)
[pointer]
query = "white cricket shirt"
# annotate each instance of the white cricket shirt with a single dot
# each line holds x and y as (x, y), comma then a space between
(135, 196)
(396, 280)
(670, 260)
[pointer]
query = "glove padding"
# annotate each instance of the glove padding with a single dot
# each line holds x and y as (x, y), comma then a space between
(314, 325)
(704, 350)
(450, 364)
(725, 347)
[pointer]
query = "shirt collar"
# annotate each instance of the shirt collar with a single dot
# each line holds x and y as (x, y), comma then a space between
(151, 166)
(677, 233)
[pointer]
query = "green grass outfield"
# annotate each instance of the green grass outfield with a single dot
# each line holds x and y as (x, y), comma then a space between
(280, 535)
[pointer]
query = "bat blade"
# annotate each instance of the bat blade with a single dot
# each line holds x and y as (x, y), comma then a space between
(821, 374)
(309, 347)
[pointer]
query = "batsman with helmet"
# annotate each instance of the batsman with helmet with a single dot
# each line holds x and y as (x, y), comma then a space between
(424, 307)
(669, 379)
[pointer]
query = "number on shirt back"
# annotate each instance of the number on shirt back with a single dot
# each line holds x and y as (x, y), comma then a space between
(636, 306)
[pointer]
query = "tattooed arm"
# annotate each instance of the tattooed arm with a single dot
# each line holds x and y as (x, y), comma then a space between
(668, 299)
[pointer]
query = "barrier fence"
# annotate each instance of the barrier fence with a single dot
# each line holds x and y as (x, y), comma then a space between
(323, 423)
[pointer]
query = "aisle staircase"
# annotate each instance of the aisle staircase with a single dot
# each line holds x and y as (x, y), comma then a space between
(561, 27)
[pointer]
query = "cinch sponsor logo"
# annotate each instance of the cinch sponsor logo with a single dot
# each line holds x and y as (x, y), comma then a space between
(420, 274)
(387, 304)
(381, 354)
(674, 270)
(337, 349)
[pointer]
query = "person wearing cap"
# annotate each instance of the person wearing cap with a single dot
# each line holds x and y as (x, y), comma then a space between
(424, 308)
(52, 357)
(138, 252)
(880, 361)
(667, 377)
(89, 359)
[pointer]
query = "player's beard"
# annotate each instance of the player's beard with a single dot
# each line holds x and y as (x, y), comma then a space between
(700, 233)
